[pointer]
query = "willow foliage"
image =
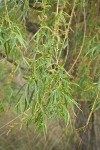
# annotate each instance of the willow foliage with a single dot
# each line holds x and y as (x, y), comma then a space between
(60, 61)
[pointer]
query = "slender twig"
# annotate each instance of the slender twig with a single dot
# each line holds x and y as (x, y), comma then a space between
(14, 119)
(57, 6)
(88, 120)
(81, 48)
(89, 117)
(67, 31)
(69, 24)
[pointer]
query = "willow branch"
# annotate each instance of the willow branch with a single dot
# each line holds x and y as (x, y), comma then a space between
(81, 48)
